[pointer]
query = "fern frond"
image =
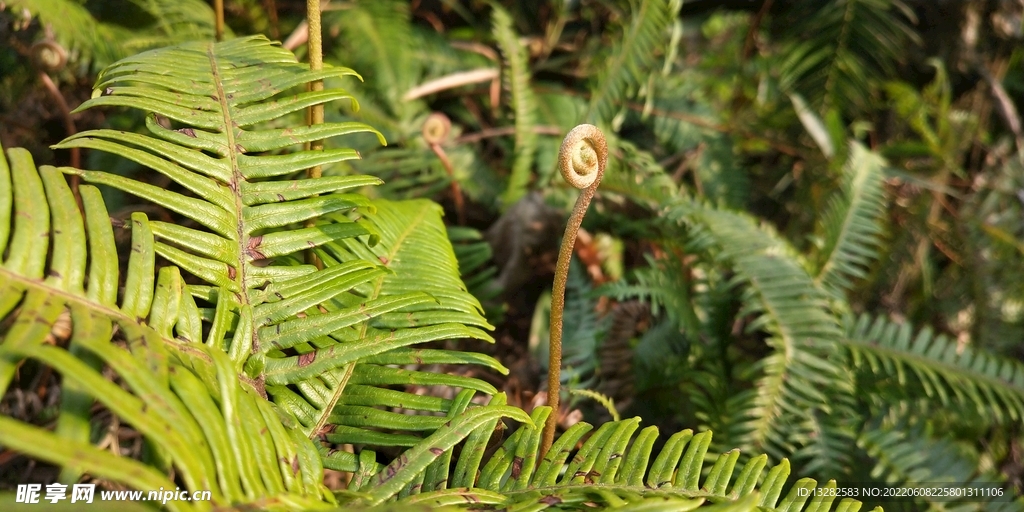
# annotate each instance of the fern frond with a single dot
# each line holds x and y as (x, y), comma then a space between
(406, 172)
(616, 466)
(77, 30)
(517, 74)
(663, 286)
(419, 260)
(243, 219)
(175, 22)
(910, 455)
(803, 374)
(937, 367)
(476, 267)
(381, 33)
(840, 47)
(852, 224)
(633, 56)
(324, 342)
(185, 398)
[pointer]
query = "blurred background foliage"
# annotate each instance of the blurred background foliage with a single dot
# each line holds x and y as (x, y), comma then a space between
(810, 238)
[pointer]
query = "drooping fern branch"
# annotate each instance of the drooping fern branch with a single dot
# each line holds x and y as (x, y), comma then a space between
(838, 48)
(803, 373)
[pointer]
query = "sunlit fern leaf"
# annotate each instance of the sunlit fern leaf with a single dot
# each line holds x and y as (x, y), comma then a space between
(524, 106)
(804, 373)
(343, 375)
(852, 224)
(219, 94)
(633, 56)
(616, 466)
(186, 399)
(301, 332)
(937, 367)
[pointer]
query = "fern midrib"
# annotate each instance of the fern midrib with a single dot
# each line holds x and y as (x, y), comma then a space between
(663, 492)
(346, 373)
(775, 383)
(236, 188)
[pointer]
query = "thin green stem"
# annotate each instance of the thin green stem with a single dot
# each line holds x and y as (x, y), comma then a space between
(315, 115)
(316, 63)
(218, 22)
(581, 161)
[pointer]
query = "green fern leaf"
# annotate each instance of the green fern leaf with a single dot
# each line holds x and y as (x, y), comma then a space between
(523, 106)
(631, 59)
(303, 333)
(937, 367)
(803, 374)
(840, 48)
(617, 467)
(852, 222)
(346, 371)
(184, 397)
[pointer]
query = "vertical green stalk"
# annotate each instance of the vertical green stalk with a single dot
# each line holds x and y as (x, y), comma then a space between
(315, 115)
(316, 63)
(581, 160)
(218, 23)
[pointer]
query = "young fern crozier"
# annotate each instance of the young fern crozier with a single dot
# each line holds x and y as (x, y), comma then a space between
(581, 160)
(435, 130)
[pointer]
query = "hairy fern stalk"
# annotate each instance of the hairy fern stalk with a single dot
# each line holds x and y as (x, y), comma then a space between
(245, 369)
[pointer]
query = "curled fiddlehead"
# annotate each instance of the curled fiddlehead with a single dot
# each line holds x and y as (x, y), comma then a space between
(581, 160)
(48, 56)
(435, 130)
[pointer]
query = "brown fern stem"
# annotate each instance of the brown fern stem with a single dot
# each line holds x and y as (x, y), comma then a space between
(581, 160)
